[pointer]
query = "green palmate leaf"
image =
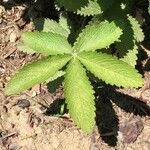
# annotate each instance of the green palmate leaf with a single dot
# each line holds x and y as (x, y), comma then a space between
(131, 56)
(79, 96)
(85, 7)
(47, 43)
(111, 70)
(138, 33)
(47, 25)
(35, 73)
(97, 36)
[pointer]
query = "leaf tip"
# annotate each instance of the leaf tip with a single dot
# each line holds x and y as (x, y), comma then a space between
(8, 91)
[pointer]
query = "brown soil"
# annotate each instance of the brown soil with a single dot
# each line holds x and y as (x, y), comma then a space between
(25, 123)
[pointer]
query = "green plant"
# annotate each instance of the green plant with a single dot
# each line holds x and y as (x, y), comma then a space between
(119, 12)
(84, 56)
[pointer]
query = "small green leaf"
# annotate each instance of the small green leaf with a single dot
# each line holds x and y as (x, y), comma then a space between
(63, 22)
(79, 96)
(47, 43)
(97, 35)
(131, 56)
(127, 48)
(137, 31)
(47, 25)
(92, 8)
(95, 7)
(111, 70)
(35, 73)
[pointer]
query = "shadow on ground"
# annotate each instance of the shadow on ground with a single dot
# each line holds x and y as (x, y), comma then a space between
(40, 8)
(106, 117)
(57, 108)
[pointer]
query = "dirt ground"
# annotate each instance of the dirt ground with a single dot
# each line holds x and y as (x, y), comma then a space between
(122, 121)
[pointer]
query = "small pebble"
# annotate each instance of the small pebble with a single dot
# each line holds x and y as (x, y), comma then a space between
(2, 24)
(146, 93)
(23, 103)
(1, 20)
(13, 37)
(13, 147)
(94, 147)
(4, 109)
(3, 133)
